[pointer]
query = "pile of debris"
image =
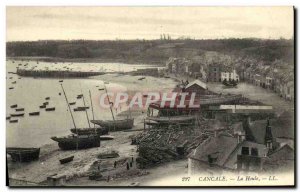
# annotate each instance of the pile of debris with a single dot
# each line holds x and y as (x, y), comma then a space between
(168, 143)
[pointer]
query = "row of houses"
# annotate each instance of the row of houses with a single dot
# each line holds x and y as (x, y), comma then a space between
(213, 72)
(278, 79)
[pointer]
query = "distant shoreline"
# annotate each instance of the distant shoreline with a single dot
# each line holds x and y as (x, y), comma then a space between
(84, 60)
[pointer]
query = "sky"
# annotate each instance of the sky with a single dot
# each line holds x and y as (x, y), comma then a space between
(110, 23)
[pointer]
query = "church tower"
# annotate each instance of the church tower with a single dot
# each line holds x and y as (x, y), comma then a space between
(269, 136)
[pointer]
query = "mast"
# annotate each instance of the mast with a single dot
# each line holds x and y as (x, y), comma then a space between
(69, 107)
(87, 117)
(110, 108)
(92, 108)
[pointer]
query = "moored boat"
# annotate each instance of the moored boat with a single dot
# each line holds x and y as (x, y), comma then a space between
(13, 121)
(20, 109)
(43, 106)
(17, 114)
(50, 109)
(46, 103)
(34, 113)
(115, 125)
(72, 103)
(8, 118)
(66, 160)
(23, 154)
(47, 98)
(73, 142)
(14, 106)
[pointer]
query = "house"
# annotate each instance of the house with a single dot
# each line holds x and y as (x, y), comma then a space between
(229, 75)
(197, 86)
(214, 72)
(226, 152)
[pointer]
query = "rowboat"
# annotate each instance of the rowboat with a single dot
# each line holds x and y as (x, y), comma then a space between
(88, 131)
(17, 114)
(34, 113)
(72, 142)
(20, 109)
(23, 154)
(117, 125)
(8, 118)
(46, 103)
(81, 108)
(13, 106)
(72, 103)
(47, 98)
(50, 109)
(43, 106)
(66, 160)
(13, 121)
(11, 88)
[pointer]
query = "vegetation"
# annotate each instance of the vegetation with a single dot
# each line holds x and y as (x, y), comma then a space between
(154, 51)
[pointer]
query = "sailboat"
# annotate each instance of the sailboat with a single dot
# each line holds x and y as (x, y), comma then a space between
(115, 124)
(76, 141)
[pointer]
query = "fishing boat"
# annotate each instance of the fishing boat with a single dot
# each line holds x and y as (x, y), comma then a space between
(20, 109)
(46, 103)
(50, 109)
(17, 114)
(34, 113)
(115, 125)
(13, 121)
(47, 98)
(13, 106)
(66, 160)
(72, 142)
(72, 103)
(23, 154)
(43, 106)
(88, 131)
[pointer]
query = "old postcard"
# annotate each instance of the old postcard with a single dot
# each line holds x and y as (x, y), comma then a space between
(150, 96)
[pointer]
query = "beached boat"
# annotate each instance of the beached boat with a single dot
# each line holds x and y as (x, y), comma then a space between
(50, 109)
(117, 125)
(89, 131)
(101, 89)
(17, 114)
(11, 88)
(34, 113)
(43, 106)
(61, 81)
(73, 142)
(8, 118)
(20, 109)
(106, 137)
(66, 160)
(72, 103)
(81, 108)
(13, 121)
(13, 106)
(23, 154)
(47, 98)
(46, 103)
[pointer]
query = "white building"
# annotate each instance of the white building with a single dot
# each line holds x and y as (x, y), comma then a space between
(230, 76)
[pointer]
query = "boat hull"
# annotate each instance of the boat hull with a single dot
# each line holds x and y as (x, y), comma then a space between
(117, 125)
(88, 131)
(23, 154)
(66, 160)
(81, 142)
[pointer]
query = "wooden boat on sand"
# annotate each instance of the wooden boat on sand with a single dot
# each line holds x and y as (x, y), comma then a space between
(17, 114)
(117, 125)
(14, 106)
(13, 121)
(66, 160)
(73, 142)
(34, 113)
(20, 109)
(50, 109)
(23, 154)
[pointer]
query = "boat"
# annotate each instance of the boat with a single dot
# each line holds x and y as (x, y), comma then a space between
(101, 89)
(43, 106)
(17, 114)
(88, 131)
(46, 103)
(106, 137)
(72, 103)
(47, 98)
(23, 154)
(13, 121)
(81, 108)
(66, 160)
(34, 113)
(230, 83)
(115, 125)
(50, 109)
(74, 141)
(61, 81)
(8, 118)
(13, 106)
(11, 88)
(142, 78)
(20, 109)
